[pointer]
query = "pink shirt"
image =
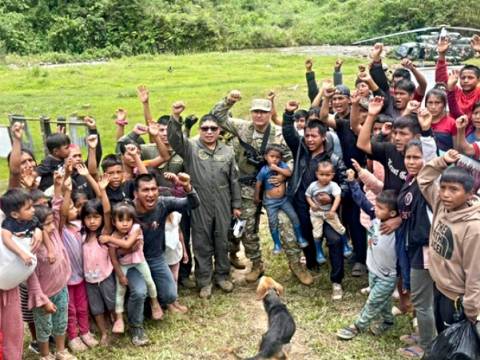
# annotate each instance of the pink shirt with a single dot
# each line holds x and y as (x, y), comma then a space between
(135, 257)
(48, 279)
(97, 265)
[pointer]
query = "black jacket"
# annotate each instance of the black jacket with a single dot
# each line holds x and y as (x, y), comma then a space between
(413, 210)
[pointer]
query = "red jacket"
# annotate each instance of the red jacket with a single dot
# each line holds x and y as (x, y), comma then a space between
(464, 101)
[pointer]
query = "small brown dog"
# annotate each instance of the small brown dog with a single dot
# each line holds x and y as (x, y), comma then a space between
(281, 325)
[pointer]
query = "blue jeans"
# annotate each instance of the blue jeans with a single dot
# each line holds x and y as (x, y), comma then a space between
(164, 282)
(273, 206)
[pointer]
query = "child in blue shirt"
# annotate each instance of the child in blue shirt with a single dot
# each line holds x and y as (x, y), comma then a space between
(274, 198)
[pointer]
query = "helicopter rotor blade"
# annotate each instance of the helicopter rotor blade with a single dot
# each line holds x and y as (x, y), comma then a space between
(397, 34)
(462, 28)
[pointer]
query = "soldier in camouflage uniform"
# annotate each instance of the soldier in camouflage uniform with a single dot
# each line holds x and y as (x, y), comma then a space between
(211, 165)
(252, 133)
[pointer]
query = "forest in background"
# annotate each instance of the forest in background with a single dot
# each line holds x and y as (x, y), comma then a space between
(115, 28)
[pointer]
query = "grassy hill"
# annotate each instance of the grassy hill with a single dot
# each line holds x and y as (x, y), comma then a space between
(113, 28)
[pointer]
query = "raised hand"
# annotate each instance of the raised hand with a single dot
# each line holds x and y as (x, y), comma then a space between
(190, 120)
(67, 184)
(451, 156)
(234, 96)
(104, 181)
(68, 167)
(338, 64)
(407, 63)
(328, 90)
(350, 175)
(387, 129)
(356, 166)
(58, 177)
(453, 80)
(28, 178)
(362, 68)
(171, 177)
(412, 107)
(271, 96)
(443, 45)
(475, 43)
(92, 141)
(17, 130)
(153, 129)
(121, 115)
(183, 179)
(375, 105)
(364, 76)
(142, 93)
(355, 97)
(308, 65)
(140, 129)
(81, 169)
(461, 122)
(90, 122)
(132, 150)
(292, 106)
(424, 119)
(177, 108)
(376, 53)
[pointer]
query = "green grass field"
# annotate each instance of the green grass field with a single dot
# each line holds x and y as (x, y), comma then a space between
(227, 322)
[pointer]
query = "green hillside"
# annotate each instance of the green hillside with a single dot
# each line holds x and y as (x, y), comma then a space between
(114, 28)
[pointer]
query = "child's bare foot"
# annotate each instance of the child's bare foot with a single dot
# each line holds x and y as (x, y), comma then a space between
(118, 325)
(177, 308)
(157, 312)
(104, 340)
(180, 307)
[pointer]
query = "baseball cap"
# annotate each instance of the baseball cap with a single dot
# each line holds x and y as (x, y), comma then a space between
(342, 90)
(261, 104)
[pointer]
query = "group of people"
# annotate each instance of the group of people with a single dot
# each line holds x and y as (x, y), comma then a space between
(371, 167)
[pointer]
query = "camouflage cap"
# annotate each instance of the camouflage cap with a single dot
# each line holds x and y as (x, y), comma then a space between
(261, 104)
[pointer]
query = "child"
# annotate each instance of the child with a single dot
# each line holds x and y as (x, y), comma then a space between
(20, 222)
(454, 239)
(381, 263)
(414, 211)
(78, 329)
(16, 204)
(58, 146)
(443, 125)
(97, 266)
(126, 234)
(324, 213)
(118, 189)
(274, 198)
(175, 251)
(469, 145)
(47, 286)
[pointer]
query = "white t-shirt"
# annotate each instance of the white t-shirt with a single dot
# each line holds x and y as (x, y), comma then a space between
(173, 246)
(315, 189)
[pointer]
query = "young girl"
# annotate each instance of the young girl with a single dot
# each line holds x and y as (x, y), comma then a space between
(125, 235)
(78, 322)
(97, 266)
(443, 125)
(47, 286)
(416, 215)
(175, 252)
(474, 136)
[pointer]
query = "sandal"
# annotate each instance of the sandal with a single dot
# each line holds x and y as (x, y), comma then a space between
(412, 352)
(348, 333)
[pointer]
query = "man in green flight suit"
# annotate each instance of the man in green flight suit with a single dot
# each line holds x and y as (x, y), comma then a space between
(211, 165)
(251, 138)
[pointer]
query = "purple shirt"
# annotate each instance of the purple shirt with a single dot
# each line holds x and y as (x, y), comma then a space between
(72, 240)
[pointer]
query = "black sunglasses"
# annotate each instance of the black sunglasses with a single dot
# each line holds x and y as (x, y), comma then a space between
(211, 128)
